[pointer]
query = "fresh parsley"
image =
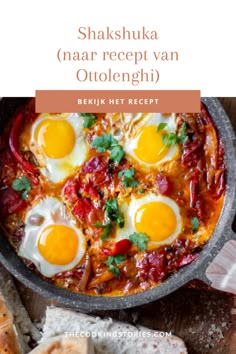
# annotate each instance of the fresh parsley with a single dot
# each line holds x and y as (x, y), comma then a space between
(107, 229)
(141, 191)
(169, 139)
(117, 153)
(103, 143)
(108, 142)
(139, 239)
(118, 259)
(114, 270)
(173, 139)
(182, 136)
(22, 185)
(128, 179)
(113, 213)
(161, 126)
(195, 224)
(89, 119)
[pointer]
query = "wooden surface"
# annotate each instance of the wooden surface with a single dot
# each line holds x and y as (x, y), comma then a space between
(204, 319)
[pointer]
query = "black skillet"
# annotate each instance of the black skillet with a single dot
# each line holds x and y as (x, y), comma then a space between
(196, 270)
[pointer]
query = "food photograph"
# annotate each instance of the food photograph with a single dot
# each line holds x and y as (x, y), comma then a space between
(117, 230)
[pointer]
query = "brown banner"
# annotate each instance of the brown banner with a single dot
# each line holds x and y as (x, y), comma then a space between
(117, 101)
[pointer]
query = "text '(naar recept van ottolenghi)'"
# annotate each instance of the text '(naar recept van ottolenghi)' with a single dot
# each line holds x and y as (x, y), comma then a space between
(134, 73)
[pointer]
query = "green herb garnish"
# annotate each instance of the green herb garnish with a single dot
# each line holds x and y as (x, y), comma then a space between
(118, 259)
(22, 185)
(107, 229)
(108, 142)
(195, 224)
(113, 213)
(182, 136)
(139, 239)
(89, 119)
(161, 126)
(103, 143)
(128, 179)
(117, 153)
(141, 191)
(173, 139)
(114, 270)
(169, 139)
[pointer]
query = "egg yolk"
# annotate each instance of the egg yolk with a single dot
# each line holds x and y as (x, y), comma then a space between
(55, 137)
(157, 220)
(150, 147)
(58, 244)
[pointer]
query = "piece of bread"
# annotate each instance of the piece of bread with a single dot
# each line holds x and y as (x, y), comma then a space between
(108, 336)
(15, 315)
(63, 345)
(8, 336)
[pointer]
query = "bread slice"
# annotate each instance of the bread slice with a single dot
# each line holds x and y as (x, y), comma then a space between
(108, 336)
(8, 336)
(14, 314)
(63, 345)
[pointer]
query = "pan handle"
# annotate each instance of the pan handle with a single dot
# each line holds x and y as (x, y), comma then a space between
(221, 272)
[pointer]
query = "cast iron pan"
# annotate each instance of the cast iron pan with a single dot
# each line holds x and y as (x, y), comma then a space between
(196, 270)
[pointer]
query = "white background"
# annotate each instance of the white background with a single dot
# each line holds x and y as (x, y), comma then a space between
(203, 32)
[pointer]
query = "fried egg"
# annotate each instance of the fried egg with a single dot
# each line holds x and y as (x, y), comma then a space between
(155, 215)
(146, 144)
(58, 142)
(52, 241)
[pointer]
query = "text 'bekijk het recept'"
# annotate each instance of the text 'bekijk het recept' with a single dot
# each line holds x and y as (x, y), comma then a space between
(134, 69)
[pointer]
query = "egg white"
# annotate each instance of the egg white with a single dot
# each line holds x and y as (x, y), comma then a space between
(153, 119)
(29, 247)
(56, 170)
(129, 211)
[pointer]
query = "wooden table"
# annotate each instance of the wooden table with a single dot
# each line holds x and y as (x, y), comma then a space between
(205, 319)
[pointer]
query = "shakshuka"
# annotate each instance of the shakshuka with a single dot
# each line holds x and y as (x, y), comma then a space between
(109, 204)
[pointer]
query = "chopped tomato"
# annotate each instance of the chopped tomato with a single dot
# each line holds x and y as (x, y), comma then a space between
(70, 191)
(186, 259)
(90, 190)
(120, 247)
(164, 184)
(93, 165)
(97, 168)
(82, 208)
(153, 266)
(11, 202)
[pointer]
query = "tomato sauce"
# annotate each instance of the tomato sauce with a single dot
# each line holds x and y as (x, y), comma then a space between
(195, 181)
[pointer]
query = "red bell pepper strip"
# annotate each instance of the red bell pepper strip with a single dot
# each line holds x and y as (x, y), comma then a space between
(186, 259)
(193, 189)
(13, 142)
(120, 247)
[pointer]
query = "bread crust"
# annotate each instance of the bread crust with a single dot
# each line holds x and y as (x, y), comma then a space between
(105, 333)
(64, 345)
(8, 336)
(5, 314)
